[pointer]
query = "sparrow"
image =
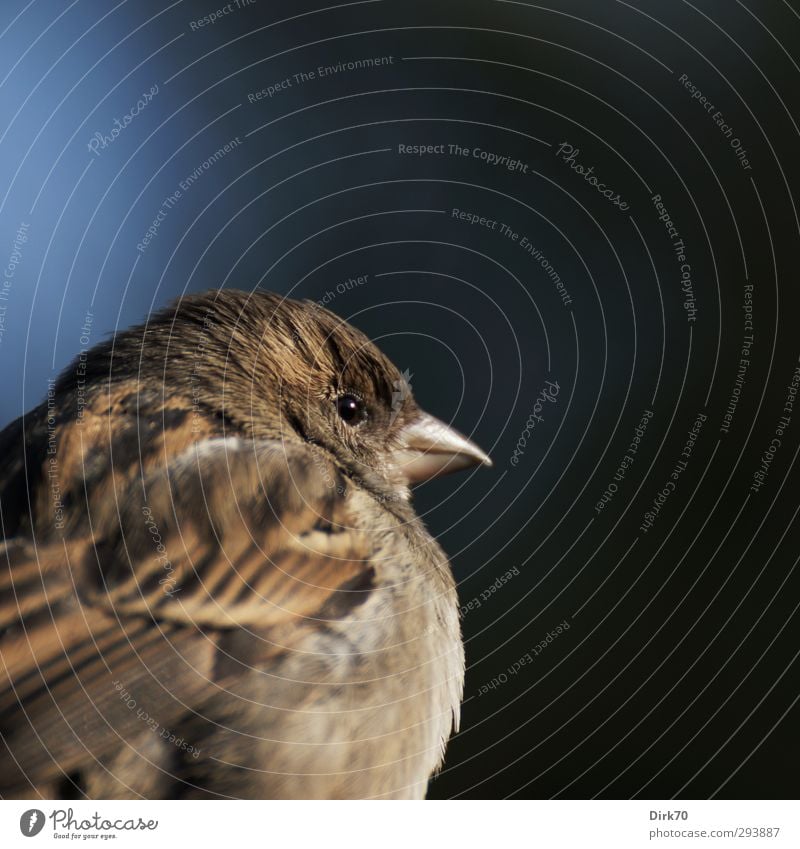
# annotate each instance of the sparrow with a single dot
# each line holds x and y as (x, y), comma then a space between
(213, 583)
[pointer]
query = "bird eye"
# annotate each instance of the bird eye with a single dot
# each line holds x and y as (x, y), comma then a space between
(351, 409)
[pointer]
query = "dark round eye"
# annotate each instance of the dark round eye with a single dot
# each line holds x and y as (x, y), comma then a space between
(352, 410)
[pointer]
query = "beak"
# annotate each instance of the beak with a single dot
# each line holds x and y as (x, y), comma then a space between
(430, 448)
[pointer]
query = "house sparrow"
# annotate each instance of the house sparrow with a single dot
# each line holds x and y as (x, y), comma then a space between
(213, 582)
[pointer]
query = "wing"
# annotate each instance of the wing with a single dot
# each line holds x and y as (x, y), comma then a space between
(100, 636)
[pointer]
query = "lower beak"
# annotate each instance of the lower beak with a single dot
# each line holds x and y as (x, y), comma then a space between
(430, 448)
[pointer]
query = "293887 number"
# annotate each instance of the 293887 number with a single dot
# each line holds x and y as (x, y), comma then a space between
(757, 832)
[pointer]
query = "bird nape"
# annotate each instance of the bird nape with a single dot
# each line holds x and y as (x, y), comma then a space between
(215, 583)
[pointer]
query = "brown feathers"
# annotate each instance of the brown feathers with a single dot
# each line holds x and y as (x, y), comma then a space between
(212, 581)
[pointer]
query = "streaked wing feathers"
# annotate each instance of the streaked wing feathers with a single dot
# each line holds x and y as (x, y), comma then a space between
(235, 534)
(230, 534)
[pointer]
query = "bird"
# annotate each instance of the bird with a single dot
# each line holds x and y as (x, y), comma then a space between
(213, 581)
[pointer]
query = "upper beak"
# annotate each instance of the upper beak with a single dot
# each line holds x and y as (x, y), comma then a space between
(431, 448)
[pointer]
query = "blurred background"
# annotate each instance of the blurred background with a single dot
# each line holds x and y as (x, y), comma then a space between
(574, 225)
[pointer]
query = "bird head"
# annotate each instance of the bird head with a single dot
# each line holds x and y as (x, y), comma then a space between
(294, 371)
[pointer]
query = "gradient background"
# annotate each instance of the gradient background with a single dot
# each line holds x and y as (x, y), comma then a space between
(678, 675)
